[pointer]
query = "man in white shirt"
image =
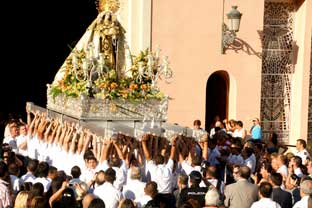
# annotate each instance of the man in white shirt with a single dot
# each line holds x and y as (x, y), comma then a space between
(21, 140)
(305, 192)
(265, 191)
(30, 175)
(107, 192)
(278, 164)
(134, 189)
(11, 140)
(188, 168)
(42, 173)
(119, 165)
(90, 170)
(194, 160)
(301, 150)
(281, 163)
(160, 173)
(150, 191)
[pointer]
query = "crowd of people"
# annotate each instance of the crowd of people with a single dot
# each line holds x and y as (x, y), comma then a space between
(46, 162)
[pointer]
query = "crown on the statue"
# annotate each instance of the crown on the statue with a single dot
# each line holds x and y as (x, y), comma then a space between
(107, 5)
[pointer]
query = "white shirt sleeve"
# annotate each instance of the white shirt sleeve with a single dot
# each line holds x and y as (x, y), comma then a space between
(102, 166)
(150, 166)
(170, 164)
(186, 167)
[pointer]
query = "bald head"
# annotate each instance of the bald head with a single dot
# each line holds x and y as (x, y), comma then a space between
(218, 124)
(244, 172)
(87, 200)
(100, 177)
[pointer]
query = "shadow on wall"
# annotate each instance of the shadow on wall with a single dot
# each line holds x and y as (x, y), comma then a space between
(294, 46)
(241, 45)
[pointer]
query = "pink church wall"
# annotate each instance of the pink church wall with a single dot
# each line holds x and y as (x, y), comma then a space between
(189, 32)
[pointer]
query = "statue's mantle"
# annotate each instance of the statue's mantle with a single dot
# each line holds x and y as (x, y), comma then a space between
(86, 108)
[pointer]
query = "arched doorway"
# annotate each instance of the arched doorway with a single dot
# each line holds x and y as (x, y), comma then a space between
(217, 96)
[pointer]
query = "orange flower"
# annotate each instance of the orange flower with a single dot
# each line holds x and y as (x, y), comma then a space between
(124, 93)
(113, 85)
(103, 86)
(63, 88)
(143, 86)
(133, 86)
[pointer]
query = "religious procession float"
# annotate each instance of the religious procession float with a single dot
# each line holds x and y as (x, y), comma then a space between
(101, 79)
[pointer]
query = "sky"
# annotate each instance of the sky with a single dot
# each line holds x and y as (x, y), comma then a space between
(36, 38)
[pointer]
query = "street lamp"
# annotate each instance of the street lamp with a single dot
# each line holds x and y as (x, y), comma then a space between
(229, 32)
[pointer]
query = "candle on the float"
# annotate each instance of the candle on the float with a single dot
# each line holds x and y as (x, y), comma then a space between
(128, 63)
(157, 52)
(150, 62)
(75, 61)
(90, 51)
(84, 65)
(166, 64)
(141, 67)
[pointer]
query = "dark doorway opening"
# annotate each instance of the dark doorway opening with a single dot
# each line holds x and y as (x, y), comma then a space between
(217, 93)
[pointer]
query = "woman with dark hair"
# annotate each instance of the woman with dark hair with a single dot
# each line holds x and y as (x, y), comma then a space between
(273, 146)
(67, 200)
(26, 186)
(229, 126)
(239, 130)
(264, 174)
(197, 124)
(38, 202)
(36, 190)
(191, 203)
(97, 203)
(265, 171)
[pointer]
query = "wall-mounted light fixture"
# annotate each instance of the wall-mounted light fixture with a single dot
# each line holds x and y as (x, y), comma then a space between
(229, 31)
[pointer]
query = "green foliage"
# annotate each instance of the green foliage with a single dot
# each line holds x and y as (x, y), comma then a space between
(107, 86)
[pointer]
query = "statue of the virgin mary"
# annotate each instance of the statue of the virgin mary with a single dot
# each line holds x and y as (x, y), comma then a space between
(103, 40)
